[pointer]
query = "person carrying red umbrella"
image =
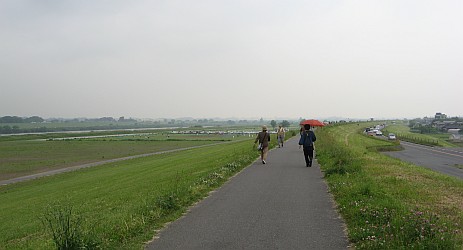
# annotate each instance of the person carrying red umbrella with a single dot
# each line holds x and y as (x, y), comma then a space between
(313, 123)
(306, 142)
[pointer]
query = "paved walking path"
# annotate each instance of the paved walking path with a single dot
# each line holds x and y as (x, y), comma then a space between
(280, 205)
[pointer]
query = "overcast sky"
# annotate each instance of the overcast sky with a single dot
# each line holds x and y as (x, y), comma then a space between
(234, 58)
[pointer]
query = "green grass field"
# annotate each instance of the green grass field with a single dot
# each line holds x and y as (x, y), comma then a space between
(117, 205)
(19, 157)
(120, 204)
(386, 203)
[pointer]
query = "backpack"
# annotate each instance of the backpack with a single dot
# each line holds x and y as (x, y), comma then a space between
(307, 139)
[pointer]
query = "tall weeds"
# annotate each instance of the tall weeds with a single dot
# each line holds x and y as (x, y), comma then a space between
(66, 229)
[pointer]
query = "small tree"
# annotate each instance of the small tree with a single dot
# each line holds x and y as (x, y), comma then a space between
(285, 123)
(273, 123)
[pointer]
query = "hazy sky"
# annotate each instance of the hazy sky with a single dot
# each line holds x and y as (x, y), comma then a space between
(233, 58)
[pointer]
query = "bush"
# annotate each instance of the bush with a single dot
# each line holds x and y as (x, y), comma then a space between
(168, 202)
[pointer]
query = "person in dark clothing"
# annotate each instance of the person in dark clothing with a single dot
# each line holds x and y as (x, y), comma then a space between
(306, 141)
(264, 138)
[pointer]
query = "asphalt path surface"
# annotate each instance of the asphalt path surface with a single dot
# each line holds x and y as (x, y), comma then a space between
(443, 160)
(280, 205)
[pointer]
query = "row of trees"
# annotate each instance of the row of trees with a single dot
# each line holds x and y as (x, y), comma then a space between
(37, 119)
(17, 119)
(284, 123)
(12, 124)
(423, 129)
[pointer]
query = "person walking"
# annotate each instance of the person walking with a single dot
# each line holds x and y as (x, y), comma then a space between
(263, 138)
(306, 141)
(280, 136)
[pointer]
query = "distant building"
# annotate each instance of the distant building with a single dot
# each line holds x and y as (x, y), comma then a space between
(447, 125)
(440, 116)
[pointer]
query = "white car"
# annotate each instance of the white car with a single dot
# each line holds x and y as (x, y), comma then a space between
(392, 136)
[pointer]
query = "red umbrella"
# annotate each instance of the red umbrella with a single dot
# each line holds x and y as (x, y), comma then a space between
(313, 123)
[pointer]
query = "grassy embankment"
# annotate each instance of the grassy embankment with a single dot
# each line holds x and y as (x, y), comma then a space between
(19, 156)
(386, 203)
(117, 205)
(403, 133)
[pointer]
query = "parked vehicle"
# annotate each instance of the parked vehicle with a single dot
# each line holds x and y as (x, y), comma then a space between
(371, 133)
(392, 136)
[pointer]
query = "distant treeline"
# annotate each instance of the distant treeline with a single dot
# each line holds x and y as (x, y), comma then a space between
(17, 130)
(18, 125)
(17, 119)
(37, 119)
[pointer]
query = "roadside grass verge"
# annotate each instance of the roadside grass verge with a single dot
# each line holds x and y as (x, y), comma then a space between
(386, 203)
(118, 205)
